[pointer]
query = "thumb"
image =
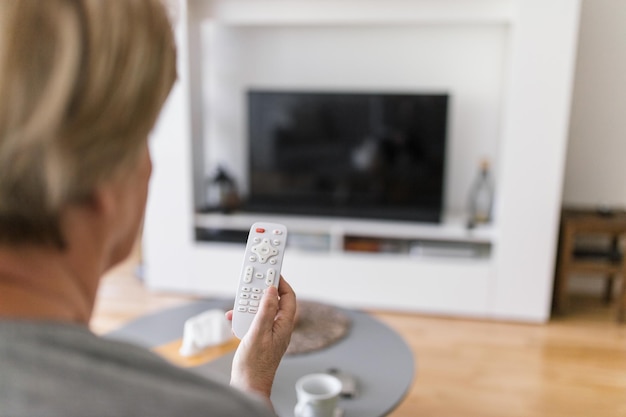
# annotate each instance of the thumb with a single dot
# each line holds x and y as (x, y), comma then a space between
(264, 320)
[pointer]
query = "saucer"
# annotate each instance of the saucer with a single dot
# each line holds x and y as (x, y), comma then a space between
(339, 412)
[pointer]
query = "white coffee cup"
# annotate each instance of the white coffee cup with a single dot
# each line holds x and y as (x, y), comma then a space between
(318, 395)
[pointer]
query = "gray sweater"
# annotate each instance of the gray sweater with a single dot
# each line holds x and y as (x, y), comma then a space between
(52, 369)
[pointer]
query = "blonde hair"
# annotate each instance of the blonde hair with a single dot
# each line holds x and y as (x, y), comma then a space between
(81, 85)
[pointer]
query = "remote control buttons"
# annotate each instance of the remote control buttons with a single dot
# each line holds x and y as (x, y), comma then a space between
(247, 276)
(262, 262)
(271, 277)
(264, 251)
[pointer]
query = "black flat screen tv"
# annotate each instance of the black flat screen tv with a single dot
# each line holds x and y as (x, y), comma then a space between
(347, 154)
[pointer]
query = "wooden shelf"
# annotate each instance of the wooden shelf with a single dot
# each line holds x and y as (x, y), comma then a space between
(607, 264)
(595, 267)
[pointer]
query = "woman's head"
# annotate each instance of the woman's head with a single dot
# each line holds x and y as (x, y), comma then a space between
(81, 85)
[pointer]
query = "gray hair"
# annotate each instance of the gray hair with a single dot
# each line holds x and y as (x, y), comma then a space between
(81, 85)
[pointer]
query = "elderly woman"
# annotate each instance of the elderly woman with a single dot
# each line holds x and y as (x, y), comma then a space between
(81, 85)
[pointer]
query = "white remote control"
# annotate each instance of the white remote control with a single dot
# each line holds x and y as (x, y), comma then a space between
(262, 263)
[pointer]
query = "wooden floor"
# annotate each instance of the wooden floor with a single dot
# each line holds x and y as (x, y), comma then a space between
(574, 366)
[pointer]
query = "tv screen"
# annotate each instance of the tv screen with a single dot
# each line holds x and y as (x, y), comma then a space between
(347, 154)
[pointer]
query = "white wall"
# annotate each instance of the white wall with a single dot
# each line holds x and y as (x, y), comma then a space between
(596, 157)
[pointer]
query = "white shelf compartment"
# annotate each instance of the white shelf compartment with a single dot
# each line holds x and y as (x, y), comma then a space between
(451, 229)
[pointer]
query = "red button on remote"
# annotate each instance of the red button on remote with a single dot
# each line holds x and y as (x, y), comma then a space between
(260, 230)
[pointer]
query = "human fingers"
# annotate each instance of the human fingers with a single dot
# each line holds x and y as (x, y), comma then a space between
(264, 320)
(229, 315)
(287, 303)
(260, 351)
(284, 288)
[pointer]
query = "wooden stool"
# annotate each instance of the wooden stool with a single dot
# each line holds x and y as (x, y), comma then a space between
(608, 263)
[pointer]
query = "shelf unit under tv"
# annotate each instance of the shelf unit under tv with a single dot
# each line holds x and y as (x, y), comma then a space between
(449, 239)
(342, 260)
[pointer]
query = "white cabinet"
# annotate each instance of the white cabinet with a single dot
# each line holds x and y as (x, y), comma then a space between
(515, 107)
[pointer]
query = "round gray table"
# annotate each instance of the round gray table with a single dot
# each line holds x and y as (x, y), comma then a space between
(373, 353)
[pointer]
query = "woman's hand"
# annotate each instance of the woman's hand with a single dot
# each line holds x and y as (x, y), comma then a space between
(263, 347)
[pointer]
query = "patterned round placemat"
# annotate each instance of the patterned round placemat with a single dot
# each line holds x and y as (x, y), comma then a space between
(317, 326)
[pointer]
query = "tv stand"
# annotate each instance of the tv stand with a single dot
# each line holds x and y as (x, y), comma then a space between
(338, 235)
(342, 260)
